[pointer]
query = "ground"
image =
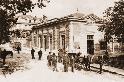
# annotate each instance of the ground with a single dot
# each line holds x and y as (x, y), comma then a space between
(38, 71)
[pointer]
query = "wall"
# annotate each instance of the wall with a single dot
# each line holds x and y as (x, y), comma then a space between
(78, 35)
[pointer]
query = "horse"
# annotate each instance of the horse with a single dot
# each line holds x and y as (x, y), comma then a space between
(6, 54)
(9, 53)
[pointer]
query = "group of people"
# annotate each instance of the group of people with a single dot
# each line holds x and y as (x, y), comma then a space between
(73, 60)
(39, 54)
(62, 58)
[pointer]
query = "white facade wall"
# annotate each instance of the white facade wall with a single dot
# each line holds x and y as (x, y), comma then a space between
(78, 36)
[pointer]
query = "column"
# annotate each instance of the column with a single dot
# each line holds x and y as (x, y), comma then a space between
(41, 39)
(32, 37)
(53, 38)
(58, 38)
(47, 38)
(43, 42)
(37, 39)
(51, 42)
(67, 37)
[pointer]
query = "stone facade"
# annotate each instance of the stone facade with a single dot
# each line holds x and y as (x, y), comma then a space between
(51, 38)
(70, 33)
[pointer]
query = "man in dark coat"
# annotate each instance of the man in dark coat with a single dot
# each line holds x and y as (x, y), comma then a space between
(100, 61)
(32, 53)
(72, 63)
(3, 55)
(49, 58)
(40, 54)
(54, 62)
(66, 62)
(18, 49)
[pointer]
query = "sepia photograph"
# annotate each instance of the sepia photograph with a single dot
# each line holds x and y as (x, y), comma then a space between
(61, 40)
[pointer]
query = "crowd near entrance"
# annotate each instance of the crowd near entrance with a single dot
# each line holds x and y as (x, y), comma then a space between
(72, 60)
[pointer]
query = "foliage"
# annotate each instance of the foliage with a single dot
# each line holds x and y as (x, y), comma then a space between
(8, 10)
(113, 24)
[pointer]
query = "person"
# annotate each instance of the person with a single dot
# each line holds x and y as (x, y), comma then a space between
(66, 62)
(49, 58)
(32, 53)
(54, 62)
(88, 63)
(78, 51)
(40, 54)
(60, 53)
(100, 61)
(72, 63)
(3, 56)
(18, 49)
(85, 62)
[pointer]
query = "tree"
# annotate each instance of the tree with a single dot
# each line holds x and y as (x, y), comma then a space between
(8, 10)
(113, 24)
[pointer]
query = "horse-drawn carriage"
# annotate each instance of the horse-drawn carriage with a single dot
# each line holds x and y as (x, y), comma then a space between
(86, 60)
(81, 61)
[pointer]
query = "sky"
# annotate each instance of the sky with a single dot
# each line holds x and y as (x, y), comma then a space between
(60, 8)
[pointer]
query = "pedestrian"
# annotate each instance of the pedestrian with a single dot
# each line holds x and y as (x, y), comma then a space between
(54, 62)
(66, 62)
(72, 63)
(18, 49)
(60, 53)
(3, 56)
(100, 61)
(87, 63)
(40, 54)
(49, 59)
(32, 53)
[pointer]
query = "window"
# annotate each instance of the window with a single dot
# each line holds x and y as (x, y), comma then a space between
(89, 37)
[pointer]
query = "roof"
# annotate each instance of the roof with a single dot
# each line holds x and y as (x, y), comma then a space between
(28, 20)
(93, 18)
(26, 17)
(76, 17)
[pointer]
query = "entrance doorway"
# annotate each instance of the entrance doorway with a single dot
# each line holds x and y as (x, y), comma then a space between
(50, 42)
(63, 41)
(45, 42)
(90, 44)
